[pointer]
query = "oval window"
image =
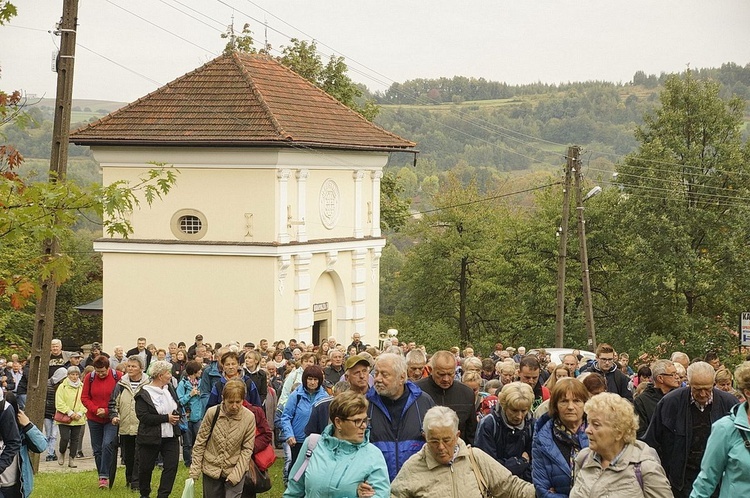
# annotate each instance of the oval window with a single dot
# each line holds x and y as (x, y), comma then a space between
(188, 224)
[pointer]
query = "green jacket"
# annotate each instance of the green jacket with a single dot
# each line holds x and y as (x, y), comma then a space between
(122, 405)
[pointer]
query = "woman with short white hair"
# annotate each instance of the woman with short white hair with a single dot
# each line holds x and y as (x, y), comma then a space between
(447, 467)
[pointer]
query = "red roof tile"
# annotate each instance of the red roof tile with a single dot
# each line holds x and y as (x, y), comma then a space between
(239, 100)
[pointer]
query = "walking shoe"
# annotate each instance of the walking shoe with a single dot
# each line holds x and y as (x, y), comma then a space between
(61, 461)
(79, 454)
(103, 483)
(49, 459)
(71, 464)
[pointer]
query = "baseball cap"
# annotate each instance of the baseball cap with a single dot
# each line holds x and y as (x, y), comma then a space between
(354, 360)
(75, 355)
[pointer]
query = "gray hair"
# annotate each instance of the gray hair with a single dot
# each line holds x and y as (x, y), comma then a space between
(440, 417)
(136, 357)
(393, 350)
(397, 361)
(73, 368)
(416, 356)
(700, 368)
(159, 367)
(472, 361)
(56, 341)
(679, 355)
(659, 367)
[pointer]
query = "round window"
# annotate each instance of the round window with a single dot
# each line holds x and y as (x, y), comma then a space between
(188, 224)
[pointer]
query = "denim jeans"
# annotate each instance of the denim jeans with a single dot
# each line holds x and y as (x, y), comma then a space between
(188, 440)
(50, 431)
(102, 436)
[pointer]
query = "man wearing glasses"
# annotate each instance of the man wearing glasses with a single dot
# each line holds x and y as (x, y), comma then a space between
(617, 382)
(665, 379)
(682, 423)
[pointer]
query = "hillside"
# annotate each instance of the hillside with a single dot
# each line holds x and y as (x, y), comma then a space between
(482, 130)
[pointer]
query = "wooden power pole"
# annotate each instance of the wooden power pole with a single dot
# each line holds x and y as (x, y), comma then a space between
(562, 253)
(588, 309)
(45, 310)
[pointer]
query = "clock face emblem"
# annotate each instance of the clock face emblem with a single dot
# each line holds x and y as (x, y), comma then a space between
(329, 203)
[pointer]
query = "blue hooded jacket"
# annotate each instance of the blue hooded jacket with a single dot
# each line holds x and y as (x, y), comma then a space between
(550, 470)
(297, 412)
(403, 439)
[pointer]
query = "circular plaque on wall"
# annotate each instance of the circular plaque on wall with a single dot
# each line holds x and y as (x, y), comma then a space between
(329, 203)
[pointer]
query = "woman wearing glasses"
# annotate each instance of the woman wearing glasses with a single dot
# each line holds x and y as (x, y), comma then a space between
(342, 463)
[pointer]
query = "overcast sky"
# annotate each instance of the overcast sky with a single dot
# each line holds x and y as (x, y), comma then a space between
(124, 54)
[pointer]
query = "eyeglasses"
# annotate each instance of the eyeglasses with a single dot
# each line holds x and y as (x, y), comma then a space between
(359, 422)
(606, 360)
(673, 374)
(441, 442)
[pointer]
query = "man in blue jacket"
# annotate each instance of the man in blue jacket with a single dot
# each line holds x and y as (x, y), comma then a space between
(397, 409)
(681, 425)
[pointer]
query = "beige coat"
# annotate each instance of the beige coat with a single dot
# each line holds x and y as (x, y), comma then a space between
(423, 476)
(228, 452)
(619, 480)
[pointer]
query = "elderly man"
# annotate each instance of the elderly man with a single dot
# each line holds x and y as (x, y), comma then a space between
(397, 407)
(118, 356)
(416, 361)
(445, 391)
(358, 344)
(57, 357)
(665, 379)
(570, 362)
(682, 423)
(145, 354)
(445, 462)
(335, 369)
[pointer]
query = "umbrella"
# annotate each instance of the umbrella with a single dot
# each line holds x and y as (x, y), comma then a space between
(113, 465)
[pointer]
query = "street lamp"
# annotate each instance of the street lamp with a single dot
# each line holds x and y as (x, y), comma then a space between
(588, 309)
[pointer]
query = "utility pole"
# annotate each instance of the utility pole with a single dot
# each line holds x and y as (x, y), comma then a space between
(562, 252)
(588, 309)
(45, 310)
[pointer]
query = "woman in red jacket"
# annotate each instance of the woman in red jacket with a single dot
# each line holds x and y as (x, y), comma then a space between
(97, 389)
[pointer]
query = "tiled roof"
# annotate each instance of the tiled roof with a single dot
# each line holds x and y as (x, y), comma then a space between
(239, 100)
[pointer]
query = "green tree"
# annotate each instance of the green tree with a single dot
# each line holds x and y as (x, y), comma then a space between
(242, 42)
(684, 217)
(394, 209)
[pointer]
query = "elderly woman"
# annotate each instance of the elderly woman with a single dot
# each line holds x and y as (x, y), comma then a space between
(727, 459)
(343, 463)
(615, 460)
(68, 401)
(447, 467)
(506, 371)
(224, 445)
(506, 434)
(156, 406)
(558, 438)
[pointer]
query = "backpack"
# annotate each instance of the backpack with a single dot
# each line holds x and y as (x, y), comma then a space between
(312, 442)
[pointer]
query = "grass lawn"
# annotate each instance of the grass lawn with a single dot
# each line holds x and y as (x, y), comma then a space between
(59, 484)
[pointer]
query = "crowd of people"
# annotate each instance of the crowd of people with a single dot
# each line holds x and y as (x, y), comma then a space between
(397, 421)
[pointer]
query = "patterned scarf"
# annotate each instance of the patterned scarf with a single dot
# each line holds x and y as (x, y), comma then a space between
(568, 439)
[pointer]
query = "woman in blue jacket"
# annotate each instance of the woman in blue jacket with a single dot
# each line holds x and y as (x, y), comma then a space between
(558, 437)
(299, 406)
(342, 462)
(727, 458)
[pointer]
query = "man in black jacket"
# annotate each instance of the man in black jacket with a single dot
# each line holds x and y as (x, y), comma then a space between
(617, 382)
(141, 351)
(682, 423)
(442, 388)
(665, 379)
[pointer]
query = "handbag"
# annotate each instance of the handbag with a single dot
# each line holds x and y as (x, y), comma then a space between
(256, 481)
(62, 418)
(265, 458)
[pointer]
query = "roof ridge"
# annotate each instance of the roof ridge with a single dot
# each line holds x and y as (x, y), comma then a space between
(258, 95)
